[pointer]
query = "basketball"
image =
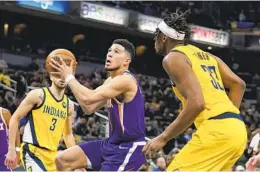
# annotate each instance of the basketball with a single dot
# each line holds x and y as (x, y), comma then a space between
(66, 55)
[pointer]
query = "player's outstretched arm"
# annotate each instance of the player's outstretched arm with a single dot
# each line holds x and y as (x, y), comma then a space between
(7, 116)
(231, 81)
(34, 98)
(89, 109)
(67, 133)
(113, 88)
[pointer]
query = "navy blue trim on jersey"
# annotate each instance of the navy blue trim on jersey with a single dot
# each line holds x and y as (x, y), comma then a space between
(36, 159)
(30, 119)
(54, 96)
(228, 115)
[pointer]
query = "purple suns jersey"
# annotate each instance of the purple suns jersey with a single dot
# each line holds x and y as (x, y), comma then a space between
(126, 120)
(3, 135)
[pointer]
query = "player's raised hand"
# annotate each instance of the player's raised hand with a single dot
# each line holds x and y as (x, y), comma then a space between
(154, 145)
(10, 160)
(253, 162)
(62, 69)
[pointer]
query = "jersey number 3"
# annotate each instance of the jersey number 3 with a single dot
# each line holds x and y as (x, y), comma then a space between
(53, 125)
(214, 77)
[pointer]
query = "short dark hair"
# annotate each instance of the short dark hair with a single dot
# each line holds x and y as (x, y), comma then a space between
(129, 47)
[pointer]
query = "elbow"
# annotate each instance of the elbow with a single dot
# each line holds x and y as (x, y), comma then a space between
(239, 83)
(242, 84)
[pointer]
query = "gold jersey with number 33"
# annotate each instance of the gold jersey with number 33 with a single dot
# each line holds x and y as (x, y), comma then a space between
(207, 72)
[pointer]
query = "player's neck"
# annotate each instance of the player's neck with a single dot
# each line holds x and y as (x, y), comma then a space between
(172, 45)
(117, 72)
(57, 92)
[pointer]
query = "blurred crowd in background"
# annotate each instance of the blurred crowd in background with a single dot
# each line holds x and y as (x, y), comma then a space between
(161, 109)
(34, 37)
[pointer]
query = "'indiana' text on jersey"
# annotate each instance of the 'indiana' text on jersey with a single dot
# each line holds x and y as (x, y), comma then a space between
(46, 122)
(205, 67)
(50, 110)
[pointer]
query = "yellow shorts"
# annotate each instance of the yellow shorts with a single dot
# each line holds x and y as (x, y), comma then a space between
(215, 146)
(37, 159)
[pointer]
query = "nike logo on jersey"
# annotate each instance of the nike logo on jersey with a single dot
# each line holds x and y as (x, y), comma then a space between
(122, 147)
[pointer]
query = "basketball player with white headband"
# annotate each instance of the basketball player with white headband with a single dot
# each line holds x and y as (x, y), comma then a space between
(199, 80)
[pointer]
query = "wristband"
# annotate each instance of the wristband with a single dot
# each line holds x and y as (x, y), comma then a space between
(69, 78)
(17, 149)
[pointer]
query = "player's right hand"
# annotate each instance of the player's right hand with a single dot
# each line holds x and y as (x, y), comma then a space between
(253, 162)
(10, 160)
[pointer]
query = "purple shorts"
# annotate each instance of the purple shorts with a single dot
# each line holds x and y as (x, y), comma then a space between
(105, 156)
(2, 163)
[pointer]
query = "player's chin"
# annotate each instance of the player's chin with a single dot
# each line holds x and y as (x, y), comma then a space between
(61, 85)
(109, 68)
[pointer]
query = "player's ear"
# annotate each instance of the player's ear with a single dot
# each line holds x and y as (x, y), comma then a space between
(51, 78)
(164, 39)
(128, 60)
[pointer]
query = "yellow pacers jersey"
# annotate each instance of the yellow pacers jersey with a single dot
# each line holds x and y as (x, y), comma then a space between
(206, 70)
(46, 123)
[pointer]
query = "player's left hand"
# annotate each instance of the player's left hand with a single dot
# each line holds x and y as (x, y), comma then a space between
(154, 145)
(62, 69)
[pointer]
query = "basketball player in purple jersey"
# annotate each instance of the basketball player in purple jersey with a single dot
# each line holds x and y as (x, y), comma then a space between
(122, 151)
(5, 116)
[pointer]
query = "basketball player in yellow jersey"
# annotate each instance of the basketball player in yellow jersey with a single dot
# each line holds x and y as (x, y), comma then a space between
(48, 112)
(199, 79)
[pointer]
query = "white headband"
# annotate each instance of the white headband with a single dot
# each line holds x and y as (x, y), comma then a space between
(168, 31)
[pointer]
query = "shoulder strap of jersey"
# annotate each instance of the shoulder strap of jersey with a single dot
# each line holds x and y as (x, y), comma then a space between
(127, 72)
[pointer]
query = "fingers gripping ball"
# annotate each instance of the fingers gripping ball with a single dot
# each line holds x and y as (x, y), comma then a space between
(66, 55)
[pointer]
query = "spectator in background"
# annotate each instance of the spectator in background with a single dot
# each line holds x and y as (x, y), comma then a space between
(4, 77)
(93, 127)
(254, 144)
(21, 83)
(81, 127)
(3, 64)
(161, 164)
(188, 134)
(9, 101)
(242, 16)
(33, 66)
